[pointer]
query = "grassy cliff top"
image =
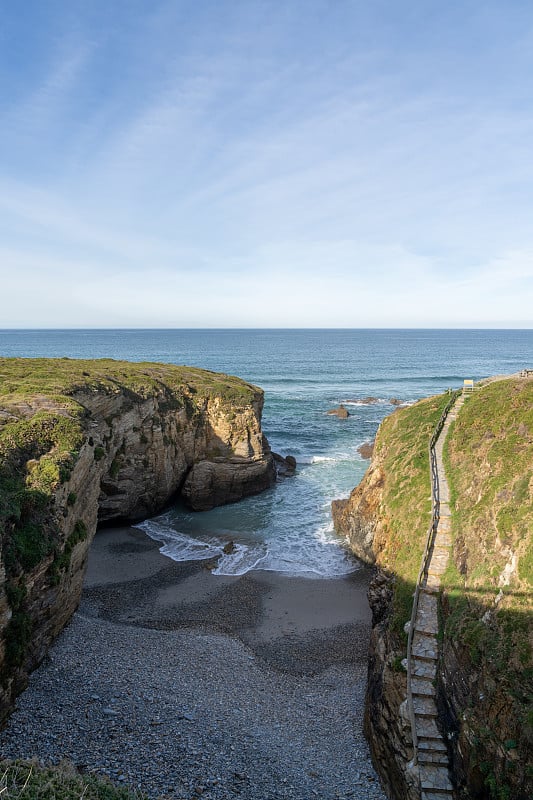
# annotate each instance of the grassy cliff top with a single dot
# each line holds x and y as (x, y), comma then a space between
(44, 406)
(24, 378)
(489, 463)
(487, 590)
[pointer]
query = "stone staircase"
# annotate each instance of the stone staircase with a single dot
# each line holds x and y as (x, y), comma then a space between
(431, 754)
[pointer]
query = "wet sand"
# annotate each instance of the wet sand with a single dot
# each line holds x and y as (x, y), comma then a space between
(317, 622)
(181, 684)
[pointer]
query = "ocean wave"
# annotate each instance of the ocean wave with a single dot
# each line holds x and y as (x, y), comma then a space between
(241, 560)
(178, 546)
(305, 459)
(375, 401)
(320, 556)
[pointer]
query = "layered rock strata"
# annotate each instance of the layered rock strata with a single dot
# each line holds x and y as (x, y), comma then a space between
(87, 442)
(482, 671)
(361, 521)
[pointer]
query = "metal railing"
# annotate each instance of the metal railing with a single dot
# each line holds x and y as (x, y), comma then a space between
(426, 558)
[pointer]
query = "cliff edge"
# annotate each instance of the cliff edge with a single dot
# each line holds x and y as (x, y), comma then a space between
(484, 679)
(89, 441)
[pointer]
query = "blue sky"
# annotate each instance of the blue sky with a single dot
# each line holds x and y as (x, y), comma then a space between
(266, 164)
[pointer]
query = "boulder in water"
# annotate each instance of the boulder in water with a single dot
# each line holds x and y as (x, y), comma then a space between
(366, 449)
(285, 466)
(341, 412)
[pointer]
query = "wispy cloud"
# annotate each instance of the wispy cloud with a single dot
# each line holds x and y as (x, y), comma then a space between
(309, 167)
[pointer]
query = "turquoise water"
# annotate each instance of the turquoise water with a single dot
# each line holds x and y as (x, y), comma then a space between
(304, 373)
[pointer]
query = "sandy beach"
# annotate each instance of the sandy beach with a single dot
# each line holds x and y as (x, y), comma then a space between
(184, 684)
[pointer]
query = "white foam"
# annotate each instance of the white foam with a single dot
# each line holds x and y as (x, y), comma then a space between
(241, 560)
(178, 546)
(379, 401)
(315, 459)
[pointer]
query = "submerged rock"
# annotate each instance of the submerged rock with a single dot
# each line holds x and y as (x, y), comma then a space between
(366, 449)
(285, 465)
(341, 412)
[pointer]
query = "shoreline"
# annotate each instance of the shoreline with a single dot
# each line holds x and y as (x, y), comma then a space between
(184, 684)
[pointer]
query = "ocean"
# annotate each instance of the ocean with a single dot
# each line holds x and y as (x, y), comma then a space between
(304, 373)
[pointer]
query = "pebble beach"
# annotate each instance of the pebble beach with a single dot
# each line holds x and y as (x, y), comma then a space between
(183, 684)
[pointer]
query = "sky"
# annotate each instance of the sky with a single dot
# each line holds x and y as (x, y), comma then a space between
(266, 163)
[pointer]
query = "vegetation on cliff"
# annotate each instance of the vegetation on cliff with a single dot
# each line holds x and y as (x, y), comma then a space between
(486, 672)
(488, 588)
(82, 441)
(43, 424)
(404, 499)
(27, 780)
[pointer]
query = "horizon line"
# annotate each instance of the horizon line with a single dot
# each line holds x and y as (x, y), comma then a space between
(280, 328)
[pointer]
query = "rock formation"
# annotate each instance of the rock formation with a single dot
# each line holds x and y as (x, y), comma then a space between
(285, 466)
(87, 442)
(366, 449)
(483, 679)
(341, 412)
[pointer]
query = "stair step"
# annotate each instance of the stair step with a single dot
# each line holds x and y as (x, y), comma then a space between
(428, 757)
(427, 728)
(424, 707)
(436, 795)
(426, 627)
(424, 669)
(422, 687)
(432, 745)
(424, 647)
(432, 591)
(432, 778)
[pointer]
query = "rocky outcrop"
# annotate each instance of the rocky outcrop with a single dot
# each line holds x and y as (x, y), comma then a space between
(366, 449)
(113, 443)
(341, 412)
(361, 521)
(285, 465)
(357, 519)
(482, 677)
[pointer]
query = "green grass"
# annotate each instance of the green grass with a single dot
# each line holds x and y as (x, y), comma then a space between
(45, 408)
(488, 586)
(61, 379)
(26, 780)
(43, 426)
(402, 446)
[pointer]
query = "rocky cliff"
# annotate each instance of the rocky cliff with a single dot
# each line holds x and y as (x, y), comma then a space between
(484, 679)
(83, 442)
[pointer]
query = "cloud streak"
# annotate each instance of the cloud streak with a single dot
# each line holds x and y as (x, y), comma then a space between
(316, 166)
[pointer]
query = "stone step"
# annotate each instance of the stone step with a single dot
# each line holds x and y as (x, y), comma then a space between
(437, 568)
(425, 707)
(427, 620)
(432, 590)
(433, 581)
(424, 647)
(426, 627)
(424, 669)
(428, 757)
(427, 728)
(436, 795)
(422, 687)
(432, 745)
(437, 777)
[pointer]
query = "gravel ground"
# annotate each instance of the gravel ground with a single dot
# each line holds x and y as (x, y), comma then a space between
(194, 712)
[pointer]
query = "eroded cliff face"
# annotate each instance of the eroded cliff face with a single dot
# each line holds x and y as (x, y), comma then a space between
(364, 522)
(483, 681)
(111, 444)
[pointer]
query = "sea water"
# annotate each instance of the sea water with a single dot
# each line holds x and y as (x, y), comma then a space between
(304, 373)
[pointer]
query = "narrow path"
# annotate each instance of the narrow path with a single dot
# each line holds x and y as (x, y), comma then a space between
(431, 753)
